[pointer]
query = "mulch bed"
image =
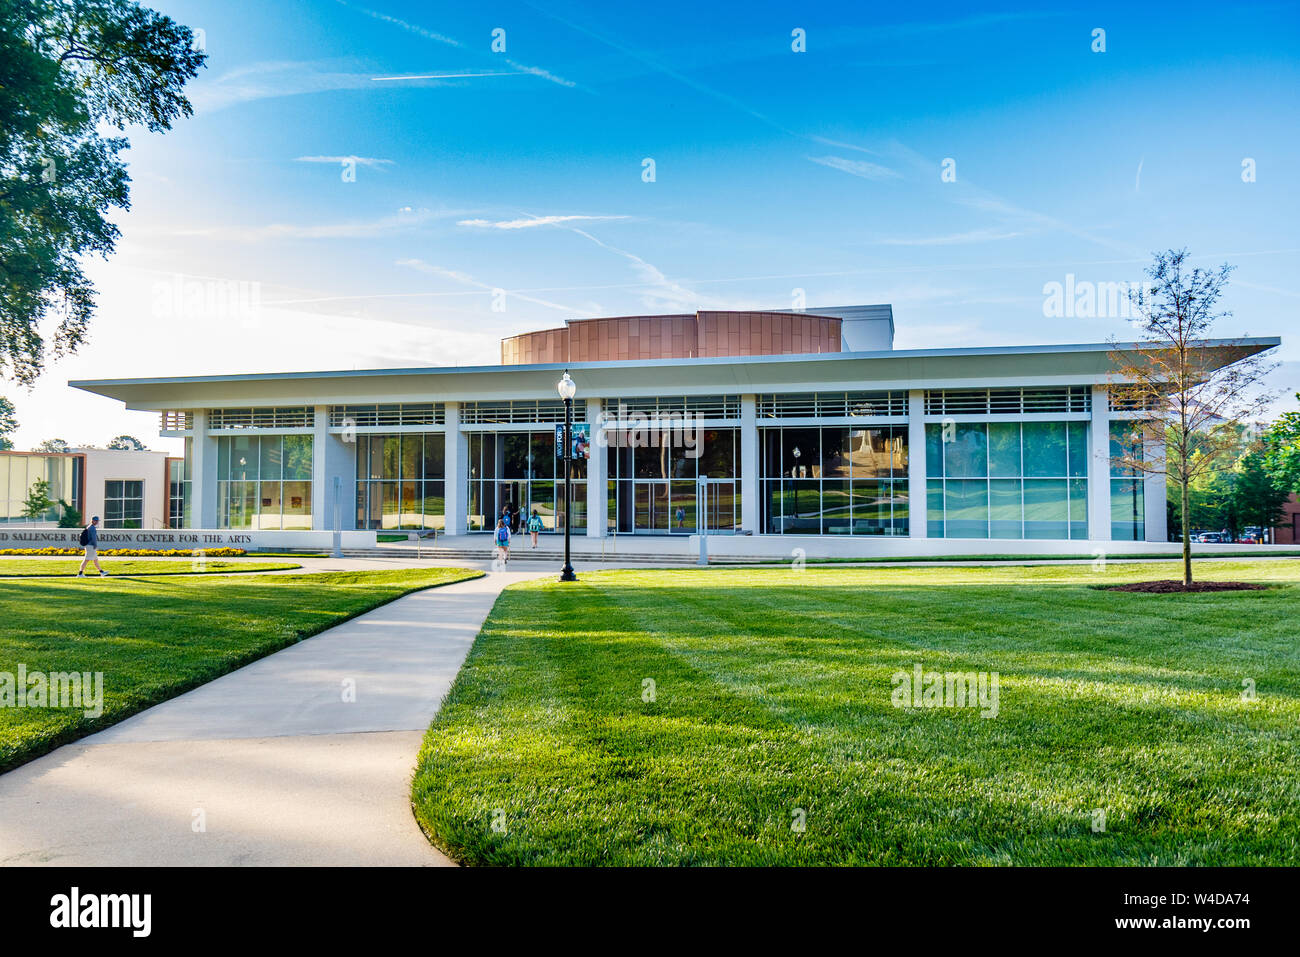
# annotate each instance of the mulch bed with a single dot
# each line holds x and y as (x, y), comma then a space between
(1169, 586)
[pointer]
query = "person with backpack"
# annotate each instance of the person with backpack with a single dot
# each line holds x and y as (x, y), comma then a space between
(534, 526)
(89, 540)
(503, 539)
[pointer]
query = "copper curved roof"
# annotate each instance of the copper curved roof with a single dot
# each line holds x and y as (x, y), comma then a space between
(704, 334)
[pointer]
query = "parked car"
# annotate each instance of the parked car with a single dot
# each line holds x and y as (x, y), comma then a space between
(1214, 538)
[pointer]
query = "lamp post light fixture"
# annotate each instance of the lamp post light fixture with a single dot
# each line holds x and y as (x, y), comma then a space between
(567, 389)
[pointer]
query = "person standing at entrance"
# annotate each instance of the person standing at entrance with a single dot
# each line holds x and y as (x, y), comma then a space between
(534, 526)
(503, 539)
(90, 540)
(514, 519)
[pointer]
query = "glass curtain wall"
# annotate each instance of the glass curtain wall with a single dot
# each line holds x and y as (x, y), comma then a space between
(1007, 479)
(264, 481)
(1127, 488)
(401, 480)
(520, 470)
(179, 483)
(19, 472)
(653, 489)
(834, 480)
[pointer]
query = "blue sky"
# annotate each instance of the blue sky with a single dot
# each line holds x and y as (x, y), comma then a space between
(775, 170)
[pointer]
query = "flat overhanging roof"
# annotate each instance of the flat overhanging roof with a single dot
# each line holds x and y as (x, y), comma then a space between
(893, 369)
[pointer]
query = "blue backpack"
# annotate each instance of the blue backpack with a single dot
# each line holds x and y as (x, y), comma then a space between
(503, 536)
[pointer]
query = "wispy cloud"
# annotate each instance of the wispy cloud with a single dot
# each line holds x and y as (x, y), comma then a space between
(532, 221)
(662, 291)
(539, 72)
(718, 52)
(355, 229)
(970, 196)
(272, 79)
(866, 170)
(953, 239)
(420, 31)
(370, 161)
(445, 76)
(429, 269)
(403, 25)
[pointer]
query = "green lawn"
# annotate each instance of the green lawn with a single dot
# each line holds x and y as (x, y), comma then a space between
(154, 638)
(55, 567)
(773, 705)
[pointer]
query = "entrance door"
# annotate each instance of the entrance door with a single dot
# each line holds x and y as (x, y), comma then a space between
(719, 505)
(684, 508)
(514, 494)
(652, 507)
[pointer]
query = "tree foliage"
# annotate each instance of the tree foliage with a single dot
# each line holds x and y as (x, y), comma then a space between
(1282, 450)
(1256, 498)
(38, 501)
(68, 70)
(8, 424)
(127, 443)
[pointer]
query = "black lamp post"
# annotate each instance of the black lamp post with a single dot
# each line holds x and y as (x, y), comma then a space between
(567, 389)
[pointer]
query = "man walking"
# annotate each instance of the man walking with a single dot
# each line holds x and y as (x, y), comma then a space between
(90, 539)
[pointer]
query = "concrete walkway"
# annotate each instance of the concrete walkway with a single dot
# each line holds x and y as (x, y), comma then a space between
(271, 760)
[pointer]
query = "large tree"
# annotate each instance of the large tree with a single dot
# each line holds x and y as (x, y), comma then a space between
(68, 70)
(127, 443)
(1256, 498)
(1282, 450)
(1194, 406)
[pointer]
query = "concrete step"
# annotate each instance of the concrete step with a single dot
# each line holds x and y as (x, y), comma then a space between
(485, 552)
(518, 554)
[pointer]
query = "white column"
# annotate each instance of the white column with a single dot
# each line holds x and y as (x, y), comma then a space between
(1099, 466)
(749, 465)
(1153, 488)
(917, 525)
(203, 472)
(456, 472)
(322, 483)
(597, 476)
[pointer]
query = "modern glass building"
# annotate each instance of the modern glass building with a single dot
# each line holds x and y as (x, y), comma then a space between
(127, 489)
(776, 425)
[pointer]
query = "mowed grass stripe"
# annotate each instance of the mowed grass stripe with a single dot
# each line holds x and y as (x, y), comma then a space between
(773, 699)
(154, 638)
(583, 721)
